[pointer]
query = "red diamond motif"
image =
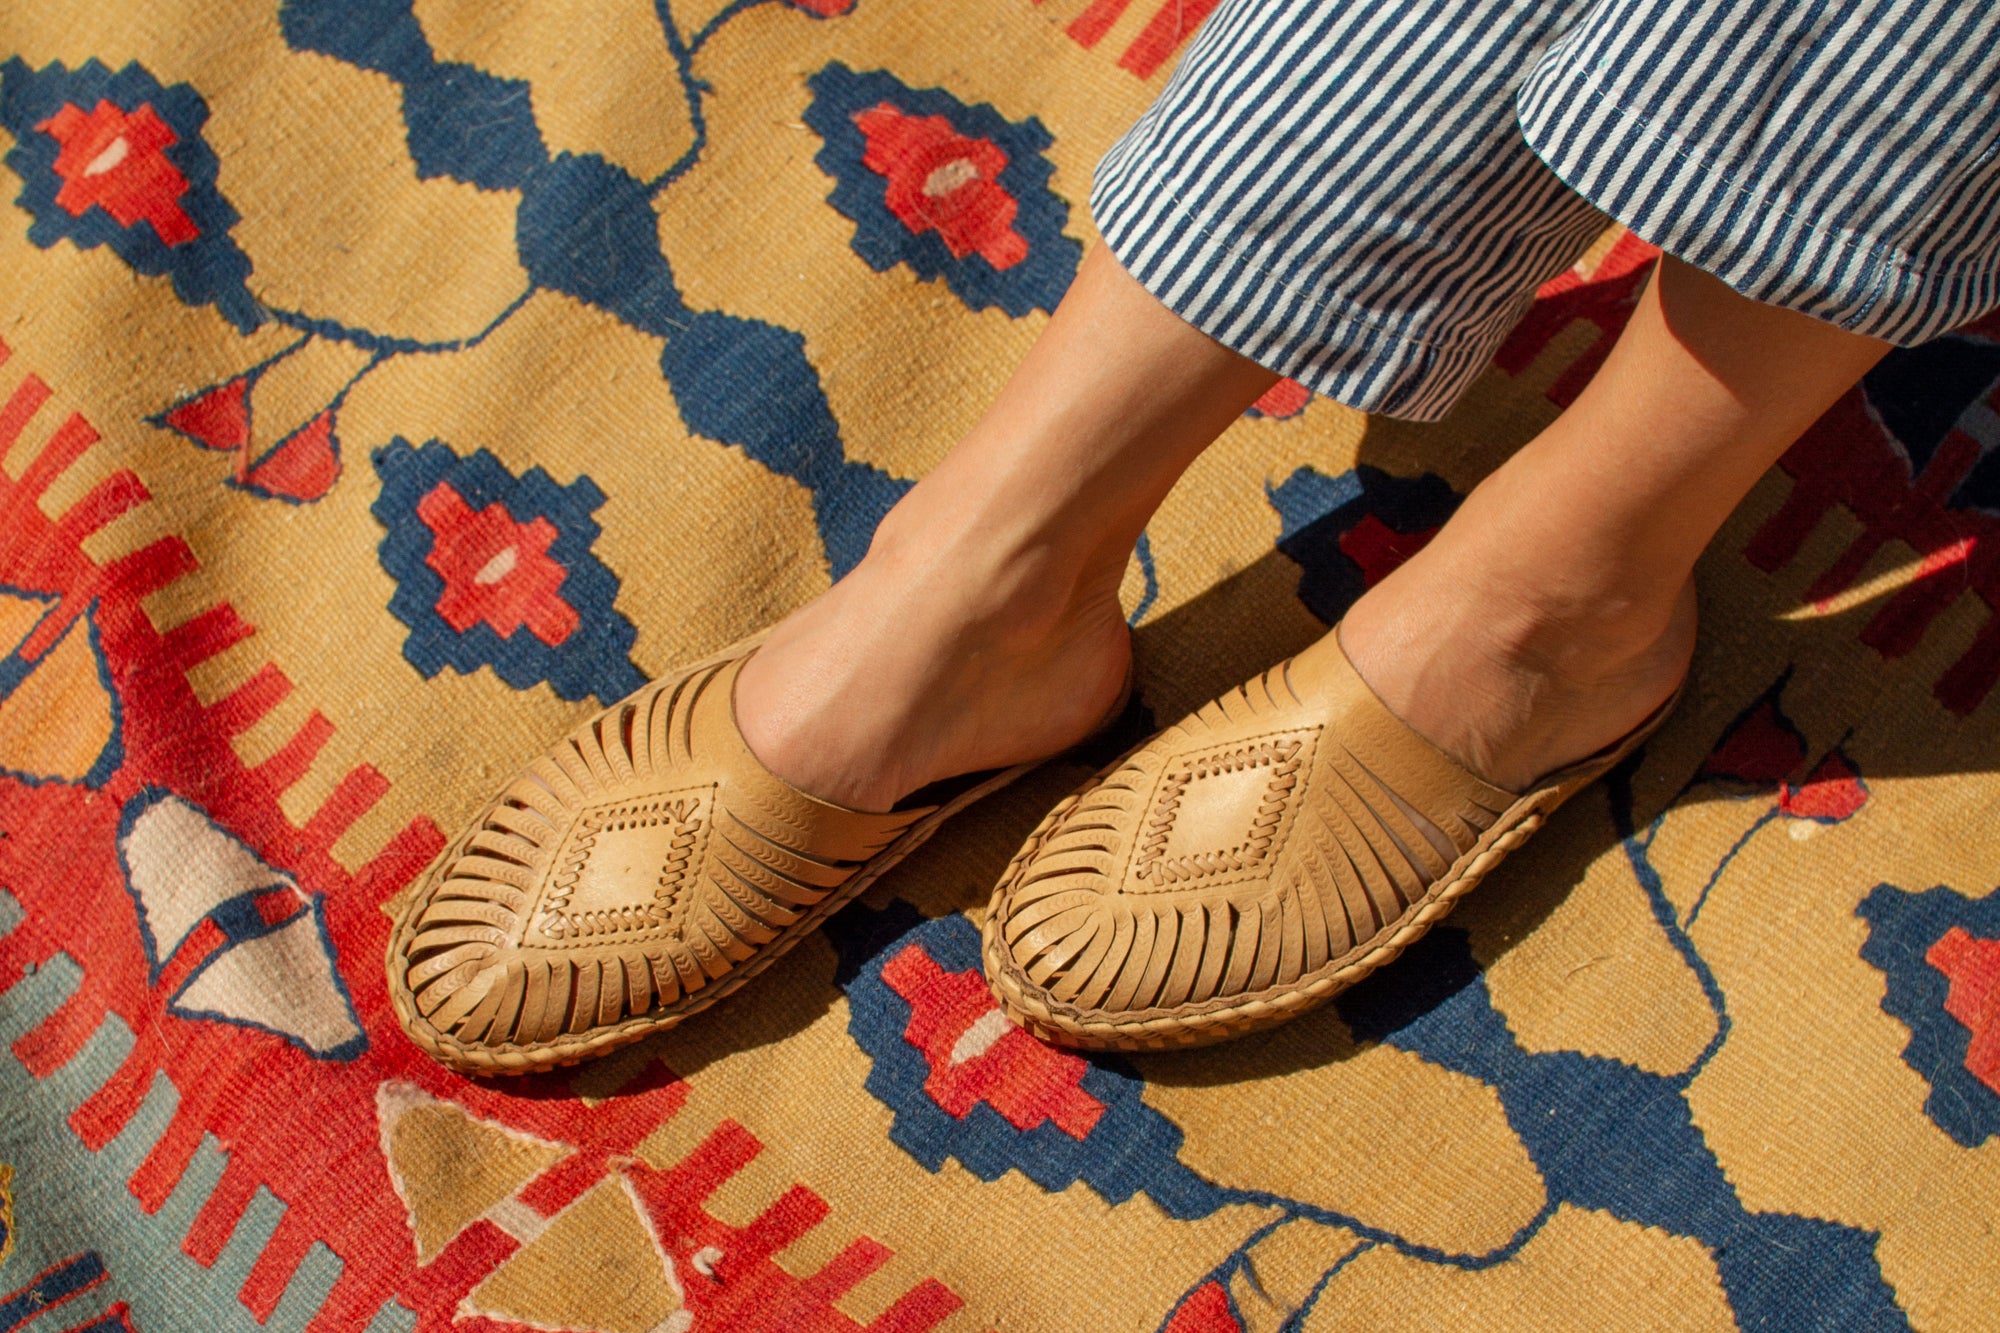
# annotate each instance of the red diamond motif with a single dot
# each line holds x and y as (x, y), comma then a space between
(941, 181)
(495, 569)
(977, 1055)
(116, 160)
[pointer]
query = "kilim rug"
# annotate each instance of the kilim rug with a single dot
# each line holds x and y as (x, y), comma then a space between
(385, 384)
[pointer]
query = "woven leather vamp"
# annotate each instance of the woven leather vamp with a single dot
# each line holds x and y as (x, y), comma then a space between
(1274, 835)
(628, 873)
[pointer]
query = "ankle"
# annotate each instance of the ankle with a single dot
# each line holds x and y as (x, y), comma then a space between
(962, 642)
(1004, 570)
(1584, 638)
(1565, 610)
(1511, 679)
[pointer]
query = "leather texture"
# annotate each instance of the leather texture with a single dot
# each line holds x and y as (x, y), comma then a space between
(1249, 862)
(638, 871)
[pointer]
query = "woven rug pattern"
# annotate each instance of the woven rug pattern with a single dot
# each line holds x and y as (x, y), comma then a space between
(387, 384)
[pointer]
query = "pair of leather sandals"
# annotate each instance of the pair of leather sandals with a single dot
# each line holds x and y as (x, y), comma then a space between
(1241, 866)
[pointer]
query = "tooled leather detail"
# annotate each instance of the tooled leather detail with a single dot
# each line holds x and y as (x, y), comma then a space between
(1284, 755)
(681, 812)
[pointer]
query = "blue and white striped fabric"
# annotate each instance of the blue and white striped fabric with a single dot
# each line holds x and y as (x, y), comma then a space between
(1364, 194)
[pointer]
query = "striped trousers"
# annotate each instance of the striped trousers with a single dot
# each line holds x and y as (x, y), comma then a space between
(1365, 194)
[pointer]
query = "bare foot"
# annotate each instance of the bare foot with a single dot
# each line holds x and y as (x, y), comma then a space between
(1510, 682)
(944, 652)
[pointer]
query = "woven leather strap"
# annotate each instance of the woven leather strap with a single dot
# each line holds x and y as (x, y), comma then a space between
(1249, 861)
(643, 858)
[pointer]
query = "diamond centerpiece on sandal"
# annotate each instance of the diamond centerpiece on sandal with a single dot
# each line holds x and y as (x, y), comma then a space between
(1221, 814)
(624, 864)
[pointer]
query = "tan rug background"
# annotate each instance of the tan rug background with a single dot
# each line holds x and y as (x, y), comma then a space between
(384, 384)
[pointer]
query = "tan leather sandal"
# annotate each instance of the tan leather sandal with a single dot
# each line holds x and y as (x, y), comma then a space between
(1249, 863)
(644, 867)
